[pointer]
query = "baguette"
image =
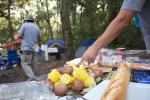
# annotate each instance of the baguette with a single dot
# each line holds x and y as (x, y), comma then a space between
(136, 66)
(117, 88)
(133, 66)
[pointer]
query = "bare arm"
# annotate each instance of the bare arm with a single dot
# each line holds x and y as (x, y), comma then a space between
(113, 30)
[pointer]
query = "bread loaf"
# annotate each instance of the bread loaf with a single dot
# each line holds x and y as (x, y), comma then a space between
(136, 66)
(117, 88)
(133, 66)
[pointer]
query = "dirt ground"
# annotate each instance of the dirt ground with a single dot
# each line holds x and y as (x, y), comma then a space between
(42, 68)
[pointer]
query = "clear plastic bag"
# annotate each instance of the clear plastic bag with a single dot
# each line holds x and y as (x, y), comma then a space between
(25, 91)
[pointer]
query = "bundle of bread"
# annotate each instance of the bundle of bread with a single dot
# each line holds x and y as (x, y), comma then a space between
(73, 77)
(117, 88)
(133, 66)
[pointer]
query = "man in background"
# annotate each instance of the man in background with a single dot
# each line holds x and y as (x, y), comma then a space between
(30, 34)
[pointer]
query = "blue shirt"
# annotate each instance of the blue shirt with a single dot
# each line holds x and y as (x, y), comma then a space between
(30, 34)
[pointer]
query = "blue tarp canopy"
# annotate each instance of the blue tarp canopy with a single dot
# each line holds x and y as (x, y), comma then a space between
(87, 42)
(56, 42)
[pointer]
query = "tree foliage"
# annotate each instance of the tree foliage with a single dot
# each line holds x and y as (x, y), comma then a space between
(85, 18)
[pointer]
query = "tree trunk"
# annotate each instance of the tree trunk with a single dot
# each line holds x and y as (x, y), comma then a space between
(73, 13)
(66, 28)
(38, 9)
(10, 28)
(48, 21)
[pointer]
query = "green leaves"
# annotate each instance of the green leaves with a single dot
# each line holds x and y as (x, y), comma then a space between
(88, 19)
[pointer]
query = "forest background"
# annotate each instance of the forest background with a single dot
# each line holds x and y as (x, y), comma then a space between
(69, 20)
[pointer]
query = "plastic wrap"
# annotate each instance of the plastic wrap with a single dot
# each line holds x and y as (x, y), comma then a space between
(25, 91)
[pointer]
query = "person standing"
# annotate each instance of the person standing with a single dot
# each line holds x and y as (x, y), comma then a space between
(30, 34)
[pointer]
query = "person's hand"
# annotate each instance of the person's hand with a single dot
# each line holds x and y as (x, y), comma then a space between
(89, 55)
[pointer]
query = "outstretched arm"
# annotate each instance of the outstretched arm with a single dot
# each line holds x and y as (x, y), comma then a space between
(113, 30)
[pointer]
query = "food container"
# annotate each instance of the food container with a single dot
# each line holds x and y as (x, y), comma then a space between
(121, 51)
(142, 57)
